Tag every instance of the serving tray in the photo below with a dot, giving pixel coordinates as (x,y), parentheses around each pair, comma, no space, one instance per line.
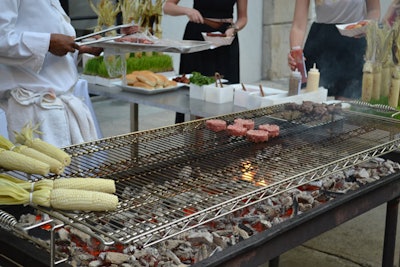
(148,91)
(161,45)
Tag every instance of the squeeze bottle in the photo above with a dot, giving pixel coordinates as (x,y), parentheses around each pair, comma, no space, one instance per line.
(294,83)
(297,54)
(313,79)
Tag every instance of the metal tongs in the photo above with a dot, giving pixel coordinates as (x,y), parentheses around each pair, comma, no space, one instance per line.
(104,39)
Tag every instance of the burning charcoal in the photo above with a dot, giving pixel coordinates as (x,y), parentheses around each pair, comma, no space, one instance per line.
(173,257)
(202,253)
(220,241)
(362,173)
(240,232)
(200,237)
(304,198)
(96,263)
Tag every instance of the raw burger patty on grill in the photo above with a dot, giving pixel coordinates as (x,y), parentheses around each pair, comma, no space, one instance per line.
(257,136)
(249,124)
(272,129)
(216,125)
(236,130)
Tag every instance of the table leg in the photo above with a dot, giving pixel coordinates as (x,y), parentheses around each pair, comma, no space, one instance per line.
(134,115)
(390,232)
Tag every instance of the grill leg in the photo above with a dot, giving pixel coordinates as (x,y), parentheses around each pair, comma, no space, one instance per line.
(390,233)
(274,262)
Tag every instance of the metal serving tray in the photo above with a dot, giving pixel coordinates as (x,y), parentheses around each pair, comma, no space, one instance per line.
(162,45)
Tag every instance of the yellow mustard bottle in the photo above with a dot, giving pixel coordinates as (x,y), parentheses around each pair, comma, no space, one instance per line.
(313,79)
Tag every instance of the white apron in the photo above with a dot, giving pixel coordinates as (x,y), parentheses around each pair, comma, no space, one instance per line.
(64,119)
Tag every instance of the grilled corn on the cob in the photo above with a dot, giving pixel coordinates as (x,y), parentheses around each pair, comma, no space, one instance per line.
(25,137)
(15,161)
(90,184)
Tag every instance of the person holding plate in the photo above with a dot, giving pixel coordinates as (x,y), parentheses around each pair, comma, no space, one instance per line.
(211,16)
(339,58)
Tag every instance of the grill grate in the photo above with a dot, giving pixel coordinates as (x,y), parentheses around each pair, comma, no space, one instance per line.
(172,179)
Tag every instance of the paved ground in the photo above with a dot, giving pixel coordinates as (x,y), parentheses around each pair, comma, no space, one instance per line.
(355,243)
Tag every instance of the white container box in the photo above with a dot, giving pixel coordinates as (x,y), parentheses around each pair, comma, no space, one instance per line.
(218,95)
(197,91)
(251,98)
(318,96)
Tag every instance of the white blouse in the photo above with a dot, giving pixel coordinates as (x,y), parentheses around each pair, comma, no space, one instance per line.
(25,28)
(340,11)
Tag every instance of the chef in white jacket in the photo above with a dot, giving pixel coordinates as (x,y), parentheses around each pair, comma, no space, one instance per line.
(38,72)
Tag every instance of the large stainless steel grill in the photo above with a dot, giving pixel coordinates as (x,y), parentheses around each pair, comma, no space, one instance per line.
(175,178)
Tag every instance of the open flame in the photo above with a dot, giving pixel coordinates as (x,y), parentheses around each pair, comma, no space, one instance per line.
(248,174)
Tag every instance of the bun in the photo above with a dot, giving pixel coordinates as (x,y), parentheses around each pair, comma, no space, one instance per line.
(161,79)
(131,78)
(147,77)
(142,85)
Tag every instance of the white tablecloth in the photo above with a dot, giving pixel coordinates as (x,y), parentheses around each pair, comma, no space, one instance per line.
(81,91)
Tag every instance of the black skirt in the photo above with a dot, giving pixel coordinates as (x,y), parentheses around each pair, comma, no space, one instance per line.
(224,59)
(340,60)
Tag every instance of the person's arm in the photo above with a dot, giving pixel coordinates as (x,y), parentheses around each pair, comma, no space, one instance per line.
(172,8)
(373,10)
(241,18)
(299,28)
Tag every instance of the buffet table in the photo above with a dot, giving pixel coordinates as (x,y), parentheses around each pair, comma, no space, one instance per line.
(177,100)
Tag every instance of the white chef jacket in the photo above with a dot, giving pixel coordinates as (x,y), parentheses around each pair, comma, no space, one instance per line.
(28,67)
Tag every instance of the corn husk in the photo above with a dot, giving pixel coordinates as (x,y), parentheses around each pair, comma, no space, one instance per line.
(106,11)
(376,81)
(367,81)
(383,57)
(28,185)
(393,99)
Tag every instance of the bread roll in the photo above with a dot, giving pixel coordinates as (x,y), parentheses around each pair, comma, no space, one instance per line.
(131,78)
(161,79)
(142,85)
(147,77)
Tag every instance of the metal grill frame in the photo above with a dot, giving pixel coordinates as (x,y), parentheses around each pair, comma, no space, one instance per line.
(164,231)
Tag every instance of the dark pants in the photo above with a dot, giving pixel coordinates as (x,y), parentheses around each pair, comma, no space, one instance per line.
(340,60)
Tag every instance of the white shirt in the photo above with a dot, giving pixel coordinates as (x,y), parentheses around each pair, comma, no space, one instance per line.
(25,28)
(340,11)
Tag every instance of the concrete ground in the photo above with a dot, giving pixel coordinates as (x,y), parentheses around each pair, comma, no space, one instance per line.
(355,243)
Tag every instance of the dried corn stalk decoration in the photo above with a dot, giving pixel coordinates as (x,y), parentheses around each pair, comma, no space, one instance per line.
(387,61)
(368,69)
(393,99)
(106,11)
(383,42)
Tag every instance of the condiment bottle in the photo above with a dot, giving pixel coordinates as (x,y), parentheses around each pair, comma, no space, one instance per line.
(312,79)
(297,54)
(294,83)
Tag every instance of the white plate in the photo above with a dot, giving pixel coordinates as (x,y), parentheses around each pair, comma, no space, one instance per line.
(351,32)
(148,91)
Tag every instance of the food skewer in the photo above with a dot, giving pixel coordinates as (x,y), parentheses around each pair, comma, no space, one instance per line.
(218,80)
(261,90)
